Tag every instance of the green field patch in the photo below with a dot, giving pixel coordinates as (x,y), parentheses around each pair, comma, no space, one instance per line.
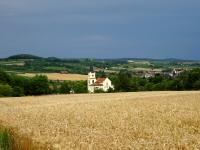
(55,68)
(12,63)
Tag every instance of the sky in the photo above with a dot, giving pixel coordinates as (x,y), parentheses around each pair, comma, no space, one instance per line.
(101,28)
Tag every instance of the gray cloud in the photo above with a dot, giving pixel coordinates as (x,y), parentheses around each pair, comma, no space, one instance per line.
(94,28)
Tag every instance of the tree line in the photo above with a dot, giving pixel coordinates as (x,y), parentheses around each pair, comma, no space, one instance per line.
(14,85)
(124,81)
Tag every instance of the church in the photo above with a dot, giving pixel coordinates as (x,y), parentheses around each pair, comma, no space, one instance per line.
(98,84)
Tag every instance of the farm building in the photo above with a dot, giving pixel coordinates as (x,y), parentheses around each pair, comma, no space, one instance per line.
(99,83)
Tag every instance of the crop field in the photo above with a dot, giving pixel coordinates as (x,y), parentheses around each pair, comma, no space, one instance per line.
(143,120)
(12,63)
(59,76)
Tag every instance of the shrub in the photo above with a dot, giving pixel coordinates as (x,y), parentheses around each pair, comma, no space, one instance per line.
(39,85)
(65,88)
(4,77)
(6,90)
(111,90)
(18,91)
(99,91)
(80,87)
(197,85)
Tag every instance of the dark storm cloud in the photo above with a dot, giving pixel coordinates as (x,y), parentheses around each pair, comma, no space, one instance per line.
(101,28)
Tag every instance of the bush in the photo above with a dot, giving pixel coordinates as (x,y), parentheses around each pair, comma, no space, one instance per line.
(148,87)
(123,81)
(6,90)
(80,87)
(39,85)
(197,85)
(110,90)
(99,91)
(65,88)
(4,77)
(18,91)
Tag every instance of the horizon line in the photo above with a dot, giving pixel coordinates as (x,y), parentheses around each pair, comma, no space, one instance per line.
(107,58)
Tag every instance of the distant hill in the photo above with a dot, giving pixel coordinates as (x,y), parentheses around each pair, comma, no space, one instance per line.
(29,56)
(24,56)
(53,59)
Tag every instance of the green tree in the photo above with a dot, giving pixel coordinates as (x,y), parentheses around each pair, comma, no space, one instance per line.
(196,85)
(123,81)
(189,78)
(100,74)
(158,87)
(4,77)
(54,87)
(5,90)
(80,87)
(18,91)
(157,79)
(21,82)
(148,86)
(65,88)
(39,85)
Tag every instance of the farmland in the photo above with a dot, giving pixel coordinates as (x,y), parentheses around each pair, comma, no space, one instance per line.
(58,76)
(33,64)
(143,120)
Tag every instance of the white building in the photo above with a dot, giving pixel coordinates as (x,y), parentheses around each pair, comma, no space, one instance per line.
(99,83)
(176,72)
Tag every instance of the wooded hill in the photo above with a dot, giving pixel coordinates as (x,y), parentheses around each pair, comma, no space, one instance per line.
(24,56)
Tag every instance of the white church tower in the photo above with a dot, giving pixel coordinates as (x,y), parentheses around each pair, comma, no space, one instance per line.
(91,80)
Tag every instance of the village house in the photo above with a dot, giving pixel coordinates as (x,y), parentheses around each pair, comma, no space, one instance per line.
(99,83)
(177,71)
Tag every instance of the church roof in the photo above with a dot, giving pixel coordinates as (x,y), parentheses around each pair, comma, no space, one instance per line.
(99,82)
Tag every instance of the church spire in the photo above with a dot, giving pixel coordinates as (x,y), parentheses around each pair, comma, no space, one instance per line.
(91,68)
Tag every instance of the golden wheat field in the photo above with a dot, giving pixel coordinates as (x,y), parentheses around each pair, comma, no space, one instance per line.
(59,76)
(143,120)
